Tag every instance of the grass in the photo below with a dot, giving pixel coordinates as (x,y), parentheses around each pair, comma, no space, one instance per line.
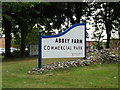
(0,74)
(93,76)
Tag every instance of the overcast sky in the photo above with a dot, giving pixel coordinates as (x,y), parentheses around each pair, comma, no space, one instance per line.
(90,32)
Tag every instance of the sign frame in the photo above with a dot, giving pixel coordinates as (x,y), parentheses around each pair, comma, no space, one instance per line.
(57,35)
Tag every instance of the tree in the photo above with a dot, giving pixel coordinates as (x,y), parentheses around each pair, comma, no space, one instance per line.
(53,17)
(17,14)
(65,14)
(110,19)
(98,37)
(99,27)
(22,17)
(75,11)
(25,20)
(108,15)
(7,25)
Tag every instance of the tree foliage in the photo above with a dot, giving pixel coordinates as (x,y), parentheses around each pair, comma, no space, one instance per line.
(17,14)
(106,14)
(25,19)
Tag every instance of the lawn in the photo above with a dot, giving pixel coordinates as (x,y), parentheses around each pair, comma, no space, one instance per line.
(14,75)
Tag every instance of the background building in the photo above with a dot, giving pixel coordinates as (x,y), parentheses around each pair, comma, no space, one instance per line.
(2,42)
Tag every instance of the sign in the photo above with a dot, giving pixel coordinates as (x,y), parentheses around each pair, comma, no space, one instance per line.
(69,44)
(33,50)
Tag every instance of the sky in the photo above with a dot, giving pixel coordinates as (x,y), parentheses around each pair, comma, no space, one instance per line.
(90,32)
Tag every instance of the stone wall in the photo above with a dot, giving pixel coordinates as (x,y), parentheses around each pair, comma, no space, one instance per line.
(100,57)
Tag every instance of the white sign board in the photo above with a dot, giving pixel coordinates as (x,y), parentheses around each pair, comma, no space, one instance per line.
(68,44)
(33,50)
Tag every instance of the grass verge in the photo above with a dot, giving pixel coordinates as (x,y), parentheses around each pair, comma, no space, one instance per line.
(93,76)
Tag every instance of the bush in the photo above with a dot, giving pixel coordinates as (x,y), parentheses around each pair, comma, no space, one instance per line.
(17,53)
